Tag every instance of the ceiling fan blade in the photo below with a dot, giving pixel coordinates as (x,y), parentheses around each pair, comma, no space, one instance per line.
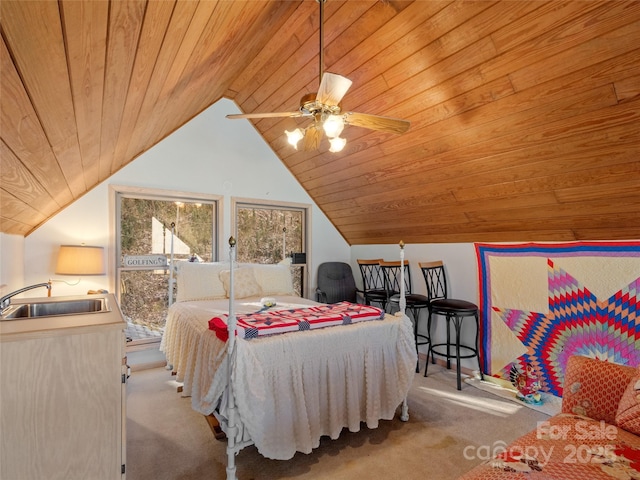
(376,122)
(332,88)
(311,140)
(264,115)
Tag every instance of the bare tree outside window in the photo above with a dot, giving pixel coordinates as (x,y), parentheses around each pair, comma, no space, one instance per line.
(156,226)
(268,234)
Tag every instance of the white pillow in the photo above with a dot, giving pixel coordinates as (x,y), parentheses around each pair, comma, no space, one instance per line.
(274,279)
(199,281)
(244,283)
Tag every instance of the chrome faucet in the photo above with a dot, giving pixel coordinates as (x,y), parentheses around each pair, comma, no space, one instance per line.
(6,300)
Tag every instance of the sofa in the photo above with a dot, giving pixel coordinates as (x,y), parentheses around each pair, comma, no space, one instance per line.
(595,436)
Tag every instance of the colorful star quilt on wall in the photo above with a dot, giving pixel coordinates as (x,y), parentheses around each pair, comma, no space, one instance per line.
(541,303)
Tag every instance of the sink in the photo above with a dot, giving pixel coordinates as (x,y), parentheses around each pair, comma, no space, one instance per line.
(55,308)
(30,317)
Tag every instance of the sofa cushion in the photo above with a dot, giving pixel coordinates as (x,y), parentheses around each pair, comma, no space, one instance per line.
(628,415)
(593,388)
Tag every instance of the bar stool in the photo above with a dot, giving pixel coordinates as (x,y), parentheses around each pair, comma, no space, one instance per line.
(414,302)
(455,312)
(372,282)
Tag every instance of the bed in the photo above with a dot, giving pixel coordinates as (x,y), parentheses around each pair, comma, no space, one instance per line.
(281,392)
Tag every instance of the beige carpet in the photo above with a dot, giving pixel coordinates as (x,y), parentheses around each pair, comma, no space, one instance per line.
(448,432)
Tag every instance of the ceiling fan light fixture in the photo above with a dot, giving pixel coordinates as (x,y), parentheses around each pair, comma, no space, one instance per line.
(333,126)
(323,107)
(294,137)
(337,144)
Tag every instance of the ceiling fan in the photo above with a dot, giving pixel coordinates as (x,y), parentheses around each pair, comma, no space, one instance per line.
(325,110)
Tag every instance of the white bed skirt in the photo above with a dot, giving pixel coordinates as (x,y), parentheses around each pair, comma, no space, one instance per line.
(291,389)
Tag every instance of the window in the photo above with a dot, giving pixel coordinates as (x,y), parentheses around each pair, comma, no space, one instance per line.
(267,233)
(150,225)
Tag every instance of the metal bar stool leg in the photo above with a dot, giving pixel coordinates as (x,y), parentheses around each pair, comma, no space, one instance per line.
(414,313)
(429,351)
(458,324)
(448,342)
(433,358)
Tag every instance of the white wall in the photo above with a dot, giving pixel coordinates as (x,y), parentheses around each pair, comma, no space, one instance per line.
(11,263)
(210,154)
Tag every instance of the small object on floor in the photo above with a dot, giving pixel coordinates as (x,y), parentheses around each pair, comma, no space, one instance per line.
(527,384)
(215,427)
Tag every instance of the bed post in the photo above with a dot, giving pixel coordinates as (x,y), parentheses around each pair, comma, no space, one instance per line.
(171,265)
(403,300)
(404,414)
(231,343)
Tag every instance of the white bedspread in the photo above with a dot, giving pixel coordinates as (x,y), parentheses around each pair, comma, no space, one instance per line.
(293,388)
(186,322)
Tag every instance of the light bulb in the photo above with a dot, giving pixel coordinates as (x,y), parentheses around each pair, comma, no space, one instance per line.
(337,144)
(294,137)
(333,126)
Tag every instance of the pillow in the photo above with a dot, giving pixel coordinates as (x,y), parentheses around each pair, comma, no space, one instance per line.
(244,283)
(593,388)
(199,281)
(274,279)
(628,415)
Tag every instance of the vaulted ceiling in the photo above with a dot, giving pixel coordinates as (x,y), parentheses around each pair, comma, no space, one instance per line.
(525,115)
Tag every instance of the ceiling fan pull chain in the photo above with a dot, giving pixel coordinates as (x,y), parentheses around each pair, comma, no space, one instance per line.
(321,34)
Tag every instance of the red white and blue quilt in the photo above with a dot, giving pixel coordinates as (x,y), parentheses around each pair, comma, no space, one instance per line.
(271,322)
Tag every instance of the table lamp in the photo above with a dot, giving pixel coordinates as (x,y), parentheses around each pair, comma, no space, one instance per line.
(80,260)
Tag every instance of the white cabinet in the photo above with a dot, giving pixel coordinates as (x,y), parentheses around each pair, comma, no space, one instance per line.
(62,397)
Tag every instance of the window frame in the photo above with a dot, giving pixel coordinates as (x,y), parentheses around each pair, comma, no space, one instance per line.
(116,192)
(305,208)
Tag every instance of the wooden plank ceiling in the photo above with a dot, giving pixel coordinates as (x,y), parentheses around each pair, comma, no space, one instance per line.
(524,115)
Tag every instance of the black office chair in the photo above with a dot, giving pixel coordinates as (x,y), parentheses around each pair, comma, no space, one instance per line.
(415,302)
(454,310)
(372,282)
(336,283)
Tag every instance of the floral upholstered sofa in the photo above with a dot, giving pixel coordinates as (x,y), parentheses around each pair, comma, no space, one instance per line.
(595,437)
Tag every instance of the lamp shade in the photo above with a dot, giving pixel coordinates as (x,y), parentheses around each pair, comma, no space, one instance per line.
(80,260)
